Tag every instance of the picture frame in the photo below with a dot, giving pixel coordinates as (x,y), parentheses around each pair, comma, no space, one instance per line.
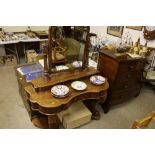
(116,31)
(139,28)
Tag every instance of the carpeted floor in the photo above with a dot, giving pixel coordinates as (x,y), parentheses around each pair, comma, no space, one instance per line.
(13,114)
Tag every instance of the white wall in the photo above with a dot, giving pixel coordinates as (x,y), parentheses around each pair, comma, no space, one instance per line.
(101,31)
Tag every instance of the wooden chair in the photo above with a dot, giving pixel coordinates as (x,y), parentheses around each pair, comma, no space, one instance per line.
(145,122)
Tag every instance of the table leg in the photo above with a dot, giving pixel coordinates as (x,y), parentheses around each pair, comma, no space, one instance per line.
(91,104)
(105,106)
(25,52)
(18,60)
(53,121)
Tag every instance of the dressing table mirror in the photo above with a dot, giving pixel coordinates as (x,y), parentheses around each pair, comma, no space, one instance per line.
(39,93)
(67,48)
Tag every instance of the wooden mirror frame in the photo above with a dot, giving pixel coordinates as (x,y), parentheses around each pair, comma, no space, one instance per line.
(51,40)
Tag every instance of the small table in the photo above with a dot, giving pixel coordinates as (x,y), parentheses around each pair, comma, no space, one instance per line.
(14,43)
(39,100)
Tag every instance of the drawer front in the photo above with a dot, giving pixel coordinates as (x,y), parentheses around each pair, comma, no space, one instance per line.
(130,68)
(119,96)
(126,84)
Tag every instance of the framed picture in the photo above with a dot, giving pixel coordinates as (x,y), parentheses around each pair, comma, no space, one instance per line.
(139,28)
(115,30)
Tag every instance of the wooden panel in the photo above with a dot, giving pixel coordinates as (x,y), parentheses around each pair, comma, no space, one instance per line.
(110,67)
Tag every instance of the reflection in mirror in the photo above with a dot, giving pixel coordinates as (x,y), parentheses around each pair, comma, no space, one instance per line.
(68,46)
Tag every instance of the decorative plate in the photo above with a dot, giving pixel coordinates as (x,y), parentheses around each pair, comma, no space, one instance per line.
(61,67)
(60,91)
(77,64)
(97,79)
(78,85)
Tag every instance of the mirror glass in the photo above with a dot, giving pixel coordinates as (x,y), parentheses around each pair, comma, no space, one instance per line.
(68,48)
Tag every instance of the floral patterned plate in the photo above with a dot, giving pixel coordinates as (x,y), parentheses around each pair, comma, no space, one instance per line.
(77,64)
(60,91)
(97,79)
(78,85)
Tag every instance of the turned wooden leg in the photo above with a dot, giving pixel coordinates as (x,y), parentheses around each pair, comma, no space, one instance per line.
(105,107)
(95,113)
(92,107)
(105,103)
(53,121)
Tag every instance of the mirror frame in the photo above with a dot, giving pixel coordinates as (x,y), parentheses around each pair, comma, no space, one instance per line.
(51,43)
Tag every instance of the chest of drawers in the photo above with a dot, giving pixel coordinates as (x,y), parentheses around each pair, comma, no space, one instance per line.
(124,76)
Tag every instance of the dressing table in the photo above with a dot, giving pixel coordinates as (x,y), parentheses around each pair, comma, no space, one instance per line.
(41,104)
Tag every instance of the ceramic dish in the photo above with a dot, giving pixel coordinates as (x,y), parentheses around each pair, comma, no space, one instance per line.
(77,64)
(61,67)
(78,85)
(97,79)
(60,91)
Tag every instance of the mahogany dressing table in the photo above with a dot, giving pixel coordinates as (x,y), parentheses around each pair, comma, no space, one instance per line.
(37,94)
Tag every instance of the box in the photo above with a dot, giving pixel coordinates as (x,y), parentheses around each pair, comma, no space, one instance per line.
(31,56)
(76,115)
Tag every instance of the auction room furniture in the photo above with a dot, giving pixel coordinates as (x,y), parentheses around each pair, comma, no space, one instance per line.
(12,50)
(145,123)
(41,104)
(124,76)
(15,46)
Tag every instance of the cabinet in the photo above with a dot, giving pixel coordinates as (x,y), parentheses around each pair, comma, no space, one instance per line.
(124,76)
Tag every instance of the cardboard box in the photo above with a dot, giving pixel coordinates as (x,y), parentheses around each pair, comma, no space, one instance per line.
(76,115)
(31,56)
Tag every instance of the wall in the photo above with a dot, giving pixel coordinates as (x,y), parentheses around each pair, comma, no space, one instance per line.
(101,31)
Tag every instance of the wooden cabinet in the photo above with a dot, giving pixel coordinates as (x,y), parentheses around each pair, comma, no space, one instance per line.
(124,76)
